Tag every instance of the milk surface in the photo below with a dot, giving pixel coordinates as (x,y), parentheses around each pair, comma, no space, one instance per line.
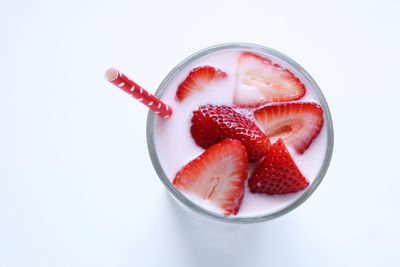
(175,146)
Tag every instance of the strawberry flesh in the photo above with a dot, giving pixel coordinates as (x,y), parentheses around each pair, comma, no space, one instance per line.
(213,124)
(197,80)
(217,175)
(260,81)
(277,173)
(296,123)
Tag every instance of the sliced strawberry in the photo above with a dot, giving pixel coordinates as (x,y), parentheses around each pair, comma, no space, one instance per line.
(197,80)
(218,175)
(297,123)
(260,81)
(213,124)
(277,173)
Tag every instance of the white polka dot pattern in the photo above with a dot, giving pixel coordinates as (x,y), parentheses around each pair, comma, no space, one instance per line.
(132,88)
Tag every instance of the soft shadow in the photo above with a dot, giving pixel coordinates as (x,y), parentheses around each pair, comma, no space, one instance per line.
(213,243)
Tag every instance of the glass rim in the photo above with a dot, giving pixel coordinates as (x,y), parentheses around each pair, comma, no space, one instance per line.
(232,219)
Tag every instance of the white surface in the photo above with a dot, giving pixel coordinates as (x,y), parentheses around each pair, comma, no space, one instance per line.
(76,184)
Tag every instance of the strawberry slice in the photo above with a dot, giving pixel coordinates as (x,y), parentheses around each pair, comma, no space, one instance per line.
(277,173)
(260,81)
(213,124)
(197,80)
(297,123)
(217,175)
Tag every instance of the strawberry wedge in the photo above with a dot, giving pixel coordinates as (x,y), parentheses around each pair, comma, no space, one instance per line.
(296,123)
(217,175)
(197,80)
(212,124)
(277,173)
(260,81)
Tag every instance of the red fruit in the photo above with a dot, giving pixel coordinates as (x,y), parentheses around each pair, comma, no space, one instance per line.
(277,173)
(296,123)
(260,81)
(197,80)
(218,175)
(213,124)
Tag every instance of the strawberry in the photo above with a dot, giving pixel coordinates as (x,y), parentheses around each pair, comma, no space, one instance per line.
(217,175)
(260,81)
(197,79)
(277,173)
(296,123)
(213,124)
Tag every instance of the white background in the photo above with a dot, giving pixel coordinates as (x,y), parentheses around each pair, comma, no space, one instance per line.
(76,184)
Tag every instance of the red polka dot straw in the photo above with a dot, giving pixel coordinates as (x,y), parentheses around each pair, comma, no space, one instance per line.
(117,78)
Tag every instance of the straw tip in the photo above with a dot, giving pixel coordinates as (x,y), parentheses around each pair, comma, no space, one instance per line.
(111,74)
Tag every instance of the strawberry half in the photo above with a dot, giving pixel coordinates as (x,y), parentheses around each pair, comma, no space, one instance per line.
(260,81)
(218,175)
(297,123)
(213,124)
(197,80)
(277,173)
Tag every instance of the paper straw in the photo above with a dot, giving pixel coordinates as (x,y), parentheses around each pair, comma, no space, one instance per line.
(117,78)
